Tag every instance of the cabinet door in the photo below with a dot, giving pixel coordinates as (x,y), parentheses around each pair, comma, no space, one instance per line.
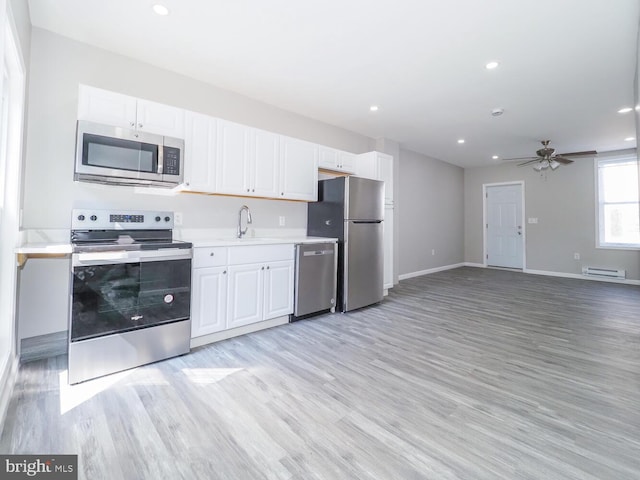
(278,289)
(232,158)
(109,108)
(388,247)
(367,165)
(160,119)
(245,295)
(208,300)
(347,162)
(385,173)
(327,158)
(299,170)
(265,164)
(200,153)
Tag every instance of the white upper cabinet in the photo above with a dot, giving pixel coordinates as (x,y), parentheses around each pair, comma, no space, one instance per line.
(336,160)
(200,153)
(232,158)
(102,106)
(264,169)
(299,169)
(377,166)
(110,108)
(160,119)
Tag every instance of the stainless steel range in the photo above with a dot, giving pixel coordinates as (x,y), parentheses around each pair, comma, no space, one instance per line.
(130,292)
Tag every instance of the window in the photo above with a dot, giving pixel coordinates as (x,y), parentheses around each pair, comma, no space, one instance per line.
(618,202)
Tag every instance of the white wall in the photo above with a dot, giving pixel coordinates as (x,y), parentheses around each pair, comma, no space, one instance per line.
(431,214)
(58,65)
(564,203)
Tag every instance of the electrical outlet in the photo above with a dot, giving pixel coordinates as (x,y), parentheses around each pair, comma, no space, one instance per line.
(177,218)
(281,220)
(576,256)
(433,251)
(533,220)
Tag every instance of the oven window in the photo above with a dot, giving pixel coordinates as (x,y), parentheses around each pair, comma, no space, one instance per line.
(107,152)
(116,298)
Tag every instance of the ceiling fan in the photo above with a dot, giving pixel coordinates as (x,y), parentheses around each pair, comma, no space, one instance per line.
(547,157)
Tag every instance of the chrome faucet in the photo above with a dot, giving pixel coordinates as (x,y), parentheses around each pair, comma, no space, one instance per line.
(241,232)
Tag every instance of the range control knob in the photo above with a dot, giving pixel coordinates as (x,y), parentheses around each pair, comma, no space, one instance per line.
(158,219)
(166,219)
(81,218)
(93,218)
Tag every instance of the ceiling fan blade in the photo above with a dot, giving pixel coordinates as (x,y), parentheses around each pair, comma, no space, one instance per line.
(562,160)
(578,154)
(518,158)
(530,161)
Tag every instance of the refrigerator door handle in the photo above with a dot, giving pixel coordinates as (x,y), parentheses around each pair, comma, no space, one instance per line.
(367,221)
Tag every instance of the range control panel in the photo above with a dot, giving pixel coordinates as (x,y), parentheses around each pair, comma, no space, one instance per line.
(120,220)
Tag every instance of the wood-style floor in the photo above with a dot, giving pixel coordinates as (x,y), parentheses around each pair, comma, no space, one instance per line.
(465,374)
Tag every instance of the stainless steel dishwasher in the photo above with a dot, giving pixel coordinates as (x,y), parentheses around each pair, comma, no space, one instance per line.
(315,279)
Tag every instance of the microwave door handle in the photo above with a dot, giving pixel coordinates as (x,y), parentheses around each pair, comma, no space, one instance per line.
(160,159)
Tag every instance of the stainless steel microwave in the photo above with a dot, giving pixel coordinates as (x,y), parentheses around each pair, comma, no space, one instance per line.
(119,156)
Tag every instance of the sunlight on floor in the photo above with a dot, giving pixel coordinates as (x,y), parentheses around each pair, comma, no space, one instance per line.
(208,375)
(72,396)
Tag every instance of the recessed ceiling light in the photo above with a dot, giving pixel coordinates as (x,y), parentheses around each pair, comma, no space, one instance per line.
(161,10)
(491,65)
(373,108)
(625,110)
(629,139)
(461,140)
(495,157)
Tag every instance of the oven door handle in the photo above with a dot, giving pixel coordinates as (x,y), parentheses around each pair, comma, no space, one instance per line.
(135,256)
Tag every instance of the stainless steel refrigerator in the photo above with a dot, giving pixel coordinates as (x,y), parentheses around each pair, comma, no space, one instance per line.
(351,209)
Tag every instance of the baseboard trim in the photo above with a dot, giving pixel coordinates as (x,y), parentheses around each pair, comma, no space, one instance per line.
(406,276)
(7,382)
(579,276)
(44,346)
(235,332)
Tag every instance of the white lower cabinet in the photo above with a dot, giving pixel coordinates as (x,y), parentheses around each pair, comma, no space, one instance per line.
(278,289)
(209,300)
(246,284)
(237,286)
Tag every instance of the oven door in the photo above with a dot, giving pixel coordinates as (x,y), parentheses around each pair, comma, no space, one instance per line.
(115,292)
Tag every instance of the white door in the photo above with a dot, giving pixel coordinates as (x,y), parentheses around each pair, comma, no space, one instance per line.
(232,158)
(245,294)
(299,170)
(209,300)
(504,226)
(278,289)
(388,246)
(265,164)
(200,153)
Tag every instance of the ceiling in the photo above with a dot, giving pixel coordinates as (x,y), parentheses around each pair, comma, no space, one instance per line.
(565,66)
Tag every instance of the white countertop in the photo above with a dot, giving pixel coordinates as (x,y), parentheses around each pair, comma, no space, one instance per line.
(234,242)
(56,249)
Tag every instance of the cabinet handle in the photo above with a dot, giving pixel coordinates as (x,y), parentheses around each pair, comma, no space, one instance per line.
(136,135)
(253,189)
(133,124)
(282,193)
(211,254)
(267,267)
(262,268)
(247,189)
(140,125)
(224,272)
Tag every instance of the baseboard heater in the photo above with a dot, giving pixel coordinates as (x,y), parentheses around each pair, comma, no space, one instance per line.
(604,272)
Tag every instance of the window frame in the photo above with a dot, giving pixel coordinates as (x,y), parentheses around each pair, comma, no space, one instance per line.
(600,243)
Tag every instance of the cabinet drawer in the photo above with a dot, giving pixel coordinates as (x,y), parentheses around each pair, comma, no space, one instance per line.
(260,253)
(209,257)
